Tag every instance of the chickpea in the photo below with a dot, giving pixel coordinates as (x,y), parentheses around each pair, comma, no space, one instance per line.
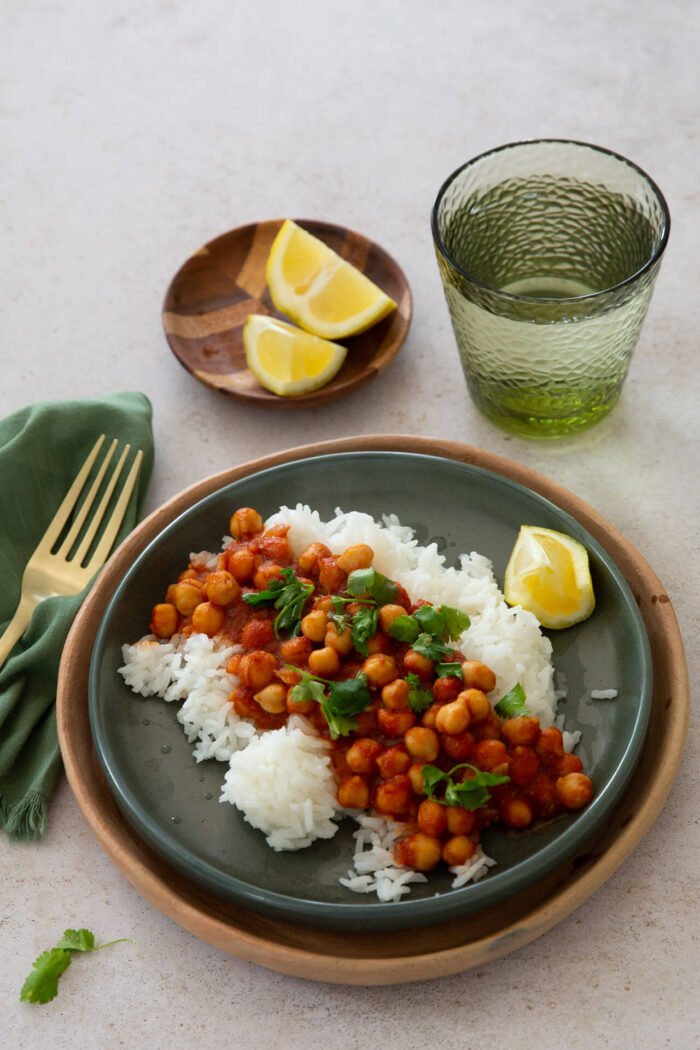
(299,707)
(275,545)
(395,695)
(245,523)
(380,643)
(353,793)
(324,662)
(208,619)
(430,716)
(170,594)
(341,641)
(310,560)
(257,669)
(415,775)
(330,576)
(516,812)
(322,604)
(453,718)
(416,663)
(164,620)
(574,790)
(313,625)
(446,689)
(478,704)
(266,572)
(393,796)
(380,669)
(422,743)
(489,729)
(542,793)
(257,633)
(362,755)
(389,613)
(187,574)
(492,756)
(459,747)
(233,664)
(295,650)
(521,730)
(569,764)
(460,821)
(394,723)
(458,850)
(359,556)
(241,565)
(273,698)
(523,765)
(550,745)
(418,851)
(188,596)
(432,819)
(478,676)
(221,588)
(393,761)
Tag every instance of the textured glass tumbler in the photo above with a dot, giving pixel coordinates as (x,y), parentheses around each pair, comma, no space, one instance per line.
(548,252)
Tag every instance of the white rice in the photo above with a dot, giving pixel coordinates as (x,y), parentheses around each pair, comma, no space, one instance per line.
(604,694)
(282,780)
(283,784)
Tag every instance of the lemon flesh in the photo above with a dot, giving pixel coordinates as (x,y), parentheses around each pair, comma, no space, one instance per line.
(320,291)
(549,575)
(286,360)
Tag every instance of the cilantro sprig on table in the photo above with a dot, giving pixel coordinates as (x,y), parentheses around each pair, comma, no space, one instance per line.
(339,701)
(470,793)
(289,595)
(41,986)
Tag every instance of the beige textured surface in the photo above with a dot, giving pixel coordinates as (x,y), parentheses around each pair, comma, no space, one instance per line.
(133,133)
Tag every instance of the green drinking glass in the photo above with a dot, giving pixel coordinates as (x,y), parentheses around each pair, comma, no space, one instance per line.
(548,252)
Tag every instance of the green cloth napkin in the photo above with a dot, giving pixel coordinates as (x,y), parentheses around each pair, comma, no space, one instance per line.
(41,450)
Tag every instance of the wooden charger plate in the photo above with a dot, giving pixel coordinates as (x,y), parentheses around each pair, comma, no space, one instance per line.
(409,955)
(213,293)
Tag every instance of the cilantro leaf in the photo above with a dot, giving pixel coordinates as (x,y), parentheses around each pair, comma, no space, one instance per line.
(471,793)
(419,698)
(369,581)
(404,628)
(513,703)
(449,670)
(77,941)
(456,622)
(431,620)
(289,595)
(41,986)
(364,626)
(340,702)
(308,689)
(431,647)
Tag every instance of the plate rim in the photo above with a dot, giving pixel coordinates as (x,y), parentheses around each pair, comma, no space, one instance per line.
(411,910)
(274,944)
(332,390)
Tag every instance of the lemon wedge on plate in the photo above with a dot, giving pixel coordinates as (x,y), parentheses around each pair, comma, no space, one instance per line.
(286,360)
(548,574)
(320,291)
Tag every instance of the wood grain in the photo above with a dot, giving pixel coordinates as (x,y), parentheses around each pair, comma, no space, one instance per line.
(213,293)
(410,955)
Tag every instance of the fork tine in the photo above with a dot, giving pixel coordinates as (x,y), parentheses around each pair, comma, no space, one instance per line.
(99,514)
(113,525)
(69,500)
(77,525)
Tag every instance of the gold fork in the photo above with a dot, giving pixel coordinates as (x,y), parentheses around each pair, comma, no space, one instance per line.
(48,574)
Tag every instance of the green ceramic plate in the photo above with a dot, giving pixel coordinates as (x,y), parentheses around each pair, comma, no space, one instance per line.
(173,803)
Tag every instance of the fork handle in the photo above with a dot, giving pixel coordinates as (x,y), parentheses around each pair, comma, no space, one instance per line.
(16,627)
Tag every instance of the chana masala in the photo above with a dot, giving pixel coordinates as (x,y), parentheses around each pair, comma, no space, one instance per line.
(413,734)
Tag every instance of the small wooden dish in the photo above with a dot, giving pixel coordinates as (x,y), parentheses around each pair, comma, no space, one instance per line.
(376,957)
(213,293)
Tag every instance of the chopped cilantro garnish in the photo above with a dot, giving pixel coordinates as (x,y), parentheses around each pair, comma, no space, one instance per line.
(364,626)
(420,698)
(513,703)
(470,793)
(404,628)
(456,622)
(289,595)
(369,581)
(340,702)
(449,670)
(431,647)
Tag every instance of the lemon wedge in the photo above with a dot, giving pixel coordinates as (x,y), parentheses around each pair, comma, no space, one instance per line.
(548,574)
(286,360)
(320,291)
